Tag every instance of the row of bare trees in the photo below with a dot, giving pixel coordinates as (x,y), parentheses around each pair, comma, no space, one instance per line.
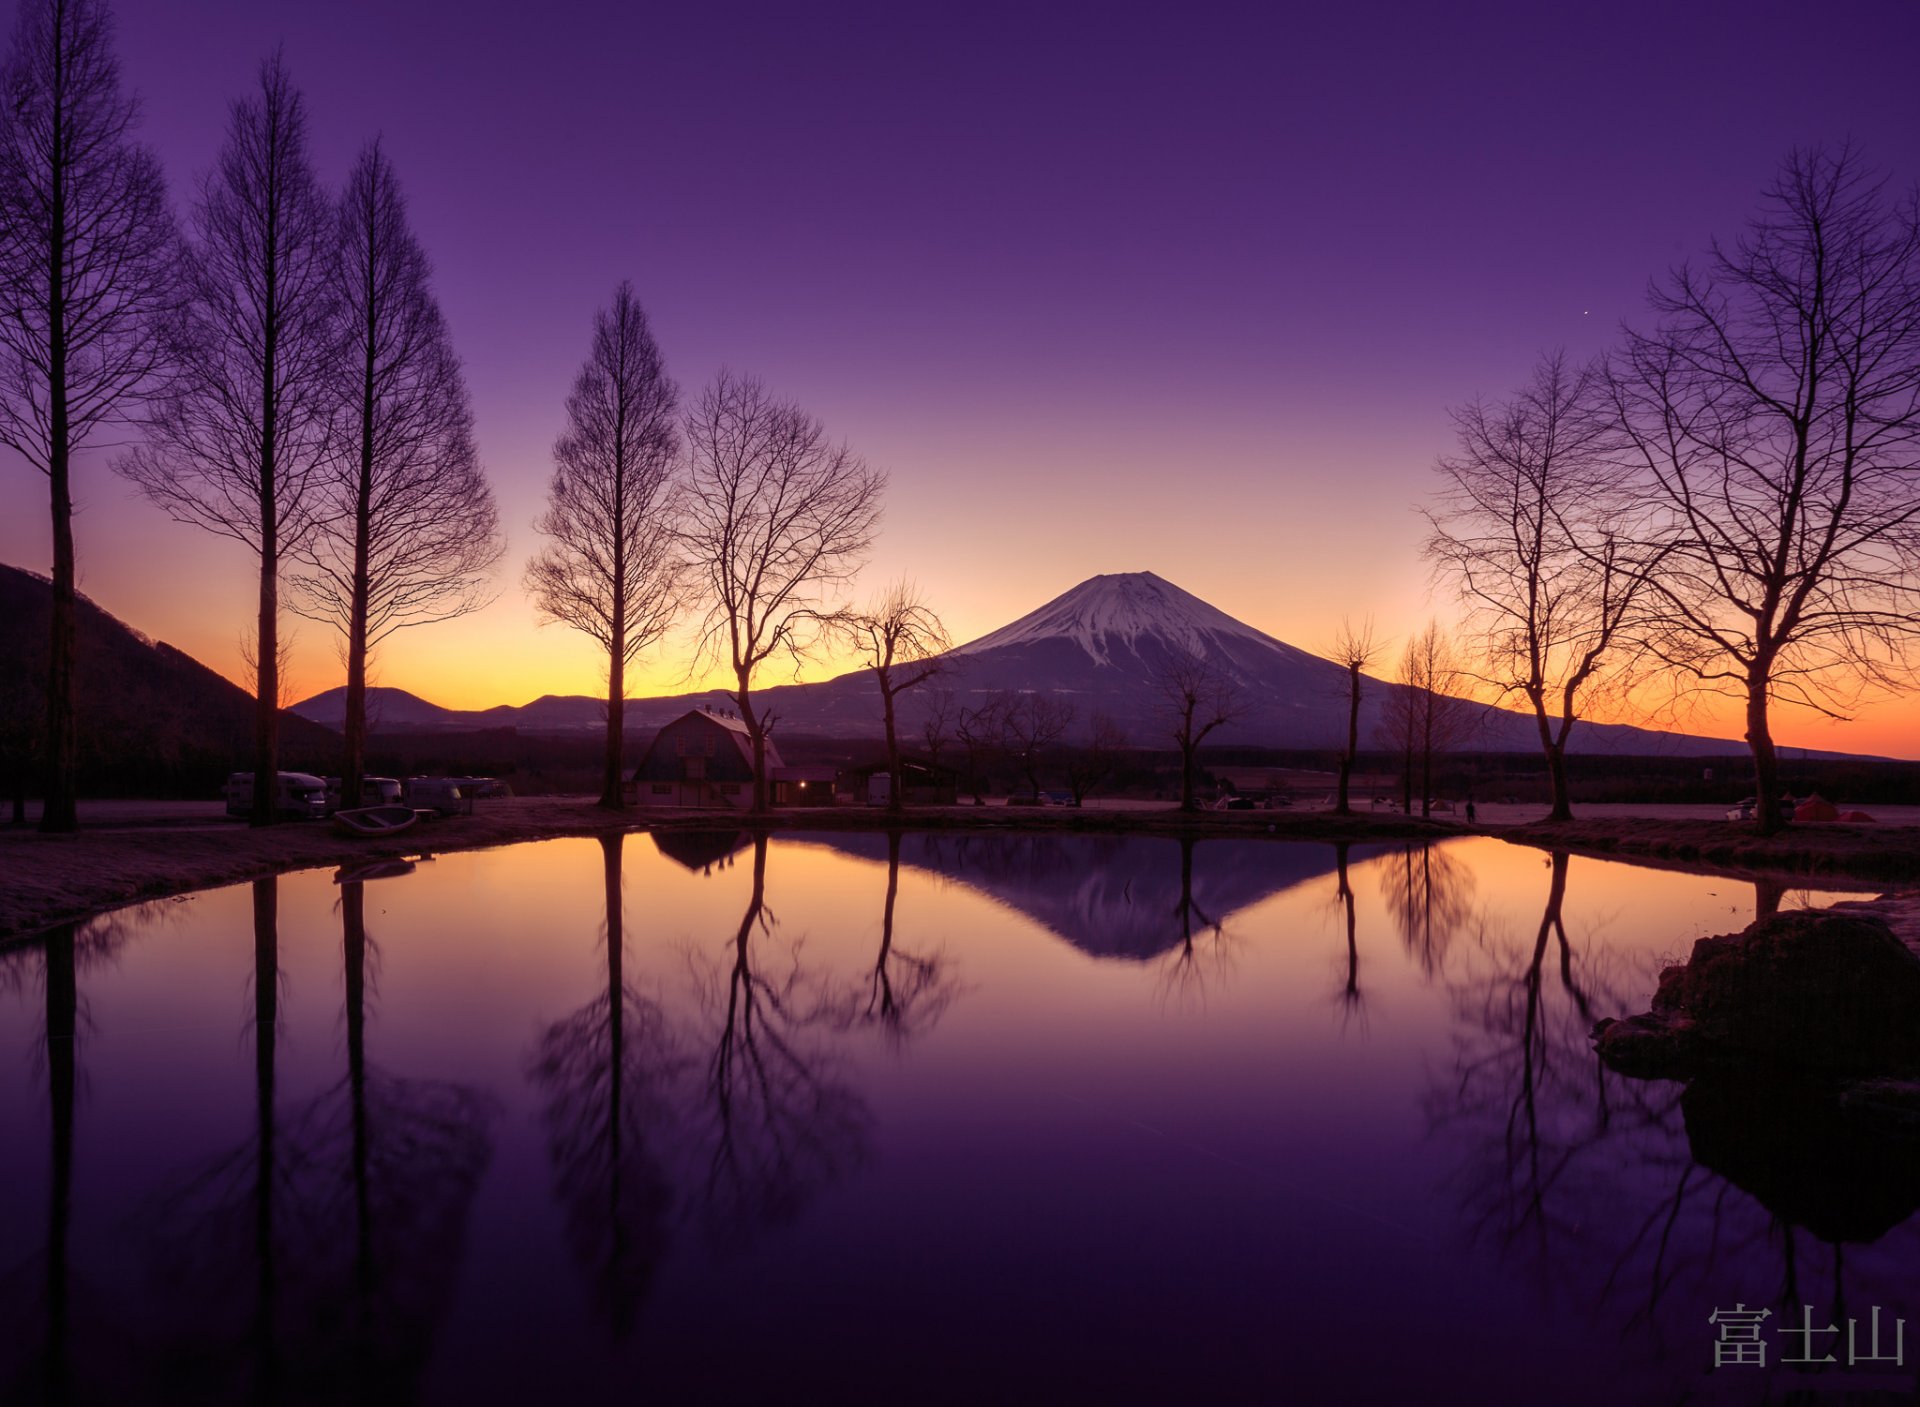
(1729,502)
(738,509)
(284,360)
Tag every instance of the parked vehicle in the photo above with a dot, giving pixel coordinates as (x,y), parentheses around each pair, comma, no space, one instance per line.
(444,796)
(297,796)
(374,791)
(375,820)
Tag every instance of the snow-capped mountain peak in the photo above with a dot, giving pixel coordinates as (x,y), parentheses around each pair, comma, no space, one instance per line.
(1114,612)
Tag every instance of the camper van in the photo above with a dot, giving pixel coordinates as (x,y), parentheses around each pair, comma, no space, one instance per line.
(443,795)
(374,791)
(298,796)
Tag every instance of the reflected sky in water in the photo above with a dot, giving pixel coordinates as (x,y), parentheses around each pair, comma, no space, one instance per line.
(926,1118)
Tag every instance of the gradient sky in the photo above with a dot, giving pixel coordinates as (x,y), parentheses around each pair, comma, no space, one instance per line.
(1105,288)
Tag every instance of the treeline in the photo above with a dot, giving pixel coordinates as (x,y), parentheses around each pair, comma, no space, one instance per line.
(1727,502)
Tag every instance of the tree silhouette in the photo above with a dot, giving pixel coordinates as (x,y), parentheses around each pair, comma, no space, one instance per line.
(87,267)
(1771,419)
(612,569)
(1527,532)
(405,529)
(902,641)
(237,441)
(1196,695)
(779,520)
(1353,650)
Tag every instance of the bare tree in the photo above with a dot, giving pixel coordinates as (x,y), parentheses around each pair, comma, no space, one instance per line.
(1196,696)
(1773,417)
(779,519)
(902,641)
(1091,765)
(87,266)
(408,532)
(1525,532)
(1033,725)
(1424,716)
(981,732)
(613,570)
(1353,650)
(235,442)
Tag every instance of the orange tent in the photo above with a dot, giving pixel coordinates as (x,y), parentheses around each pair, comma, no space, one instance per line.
(1816,808)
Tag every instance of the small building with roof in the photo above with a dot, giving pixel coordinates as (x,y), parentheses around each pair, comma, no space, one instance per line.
(703,758)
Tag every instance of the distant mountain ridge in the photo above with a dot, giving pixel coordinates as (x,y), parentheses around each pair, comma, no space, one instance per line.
(1099,645)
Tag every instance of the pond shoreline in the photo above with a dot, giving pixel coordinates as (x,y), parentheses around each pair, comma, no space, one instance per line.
(46,880)
(50,880)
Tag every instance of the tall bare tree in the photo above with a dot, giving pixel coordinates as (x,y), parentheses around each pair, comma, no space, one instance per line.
(87,267)
(779,520)
(1196,696)
(981,731)
(1353,650)
(902,641)
(1773,419)
(939,713)
(235,443)
(613,570)
(1525,531)
(407,532)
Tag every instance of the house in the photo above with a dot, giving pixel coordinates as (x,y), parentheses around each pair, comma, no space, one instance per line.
(702,758)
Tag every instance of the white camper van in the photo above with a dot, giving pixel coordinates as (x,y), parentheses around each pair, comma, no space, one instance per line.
(298,796)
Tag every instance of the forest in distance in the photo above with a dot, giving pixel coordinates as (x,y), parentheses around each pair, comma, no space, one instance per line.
(1727,502)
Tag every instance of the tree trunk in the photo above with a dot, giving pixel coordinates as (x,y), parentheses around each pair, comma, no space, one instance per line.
(1766,765)
(1187,800)
(612,794)
(1343,806)
(60,812)
(754,731)
(353,769)
(894,801)
(266,714)
(1557,778)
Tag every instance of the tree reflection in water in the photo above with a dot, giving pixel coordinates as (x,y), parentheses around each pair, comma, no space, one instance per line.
(1638,1197)
(722,1111)
(613,1077)
(1184,970)
(1430,893)
(1352,1001)
(38,1363)
(325,1245)
(907,994)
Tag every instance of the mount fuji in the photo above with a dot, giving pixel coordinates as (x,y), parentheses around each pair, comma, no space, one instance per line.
(1098,645)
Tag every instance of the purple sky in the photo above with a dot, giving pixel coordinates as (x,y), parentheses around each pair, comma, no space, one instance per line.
(1180,289)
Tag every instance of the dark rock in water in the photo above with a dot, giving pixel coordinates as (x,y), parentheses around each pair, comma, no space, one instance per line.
(1797,1147)
(1650,1047)
(1827,993)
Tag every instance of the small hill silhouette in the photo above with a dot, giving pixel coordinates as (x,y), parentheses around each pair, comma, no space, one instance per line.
(153,720)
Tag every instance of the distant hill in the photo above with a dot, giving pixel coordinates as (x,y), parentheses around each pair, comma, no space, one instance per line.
(1098,645)
(151,718)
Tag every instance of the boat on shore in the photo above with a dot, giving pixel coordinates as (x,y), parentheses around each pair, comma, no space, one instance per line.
(375,820)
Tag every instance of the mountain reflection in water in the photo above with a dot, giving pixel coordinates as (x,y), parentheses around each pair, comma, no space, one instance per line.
(712,1116)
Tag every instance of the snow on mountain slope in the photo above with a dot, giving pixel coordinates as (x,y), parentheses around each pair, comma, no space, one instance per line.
(1106,613)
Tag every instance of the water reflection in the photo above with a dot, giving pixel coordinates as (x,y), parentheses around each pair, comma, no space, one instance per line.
(314,1257)
(1131,897)
(707,1085)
